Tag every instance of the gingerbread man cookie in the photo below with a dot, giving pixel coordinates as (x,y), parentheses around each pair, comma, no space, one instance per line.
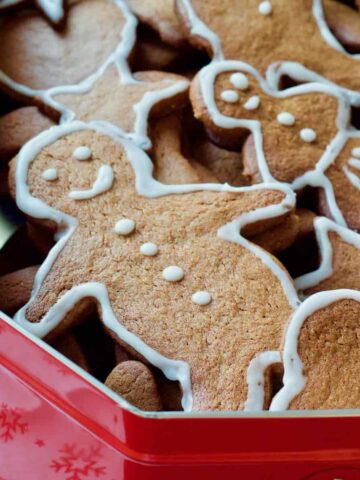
(321,354)
(85,73)
(153,265)
(308,45)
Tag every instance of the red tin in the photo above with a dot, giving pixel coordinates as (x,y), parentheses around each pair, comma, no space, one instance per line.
(59,423)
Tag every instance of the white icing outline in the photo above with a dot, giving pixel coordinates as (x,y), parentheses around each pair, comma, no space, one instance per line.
(294,380)
(102,184)
(256,379)
(52,9)
(118,58)
(316,177)
(277,69)
(147,186)
(323,226)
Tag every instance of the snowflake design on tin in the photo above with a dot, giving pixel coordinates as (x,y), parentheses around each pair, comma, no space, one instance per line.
(11,423)
(78,463)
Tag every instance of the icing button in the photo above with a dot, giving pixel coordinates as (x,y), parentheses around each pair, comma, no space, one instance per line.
(286,118)
(265,8)
(253,103)
(229,96)
(124,226)
(355,152)
(82,153)
(239,80)
(308,135)
(149,249)
(201,298)
(50,174)
(173,274)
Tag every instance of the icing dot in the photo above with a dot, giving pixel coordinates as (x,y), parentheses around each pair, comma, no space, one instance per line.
(124,226)
(239,80)
(355,152)
(308,135)
(253,103)
(149,249)
(265,8)
(82,153)
(50,174)
(229,96)
(201,298)
(286,118)
(173,274)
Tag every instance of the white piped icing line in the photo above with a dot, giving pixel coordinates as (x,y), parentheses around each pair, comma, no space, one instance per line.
(322,227)
(229,96)
(82,153)
(352,177)
(294,379)
(252,103)
(355,163)
(240,81)
(256,381)
(125,226)
(50,174)
(286,118)
(308,135)
(146,186)
(265,8)
(149,249)
(102,184)
(118,58)
(201,298)
(173,273)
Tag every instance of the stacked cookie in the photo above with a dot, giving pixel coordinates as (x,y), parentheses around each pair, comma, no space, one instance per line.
(189,196)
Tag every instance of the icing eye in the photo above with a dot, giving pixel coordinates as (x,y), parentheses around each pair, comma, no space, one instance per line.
(201,298)
(253,103)
(308,135)
(82,153)
(50,174)
(240,81)
(265,8)
(229,96)
(124,226)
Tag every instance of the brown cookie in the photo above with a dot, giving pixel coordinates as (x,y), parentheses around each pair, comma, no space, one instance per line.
(70,348)
(160,16)
(17,127)
(15,289)
(215,26)
(53,10)
(280,237)
(339,250)
(344,22)
(135,383)
(196,266)
(321,354)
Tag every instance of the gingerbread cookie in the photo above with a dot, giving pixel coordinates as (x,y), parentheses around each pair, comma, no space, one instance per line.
(283,125)
(344,22)
(340,256)
(308,47)
(154,257)
(52,9)
(19,126)
(321,354)
(15,289)
(160,16)
(68,82)
(136,384)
